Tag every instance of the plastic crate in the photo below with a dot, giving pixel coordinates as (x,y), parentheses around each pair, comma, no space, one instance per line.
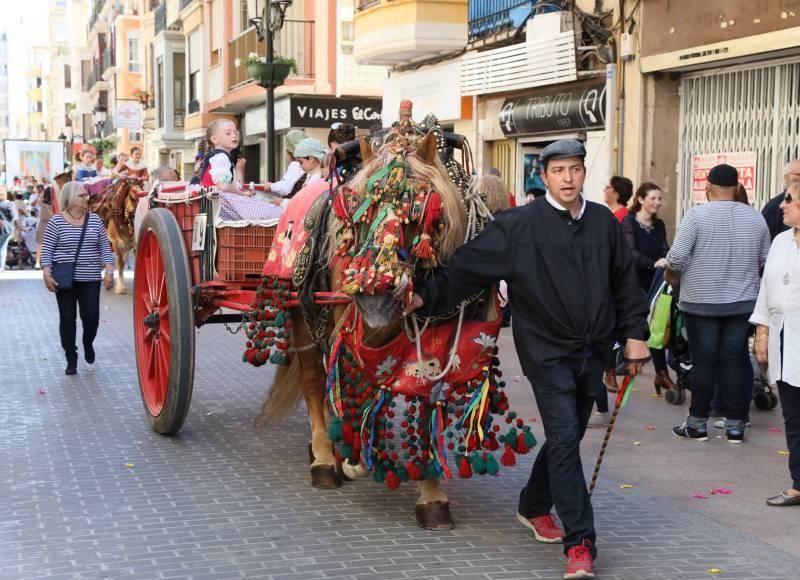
(184,214)
(241,252)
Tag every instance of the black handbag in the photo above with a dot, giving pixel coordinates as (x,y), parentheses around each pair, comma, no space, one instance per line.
(64,272)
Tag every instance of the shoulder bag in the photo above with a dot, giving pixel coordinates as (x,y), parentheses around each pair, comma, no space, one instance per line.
(64,272)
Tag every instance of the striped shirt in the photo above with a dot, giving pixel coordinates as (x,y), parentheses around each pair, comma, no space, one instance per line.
(61,241)
(719,251)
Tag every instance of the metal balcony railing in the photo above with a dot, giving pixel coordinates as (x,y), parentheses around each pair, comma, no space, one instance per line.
(364,4)
(296,40)
(489,17)
(160,15)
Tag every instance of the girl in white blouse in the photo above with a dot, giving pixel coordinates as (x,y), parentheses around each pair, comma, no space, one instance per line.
(777,316)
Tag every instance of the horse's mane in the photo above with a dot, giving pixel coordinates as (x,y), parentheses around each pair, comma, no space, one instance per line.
(455,215)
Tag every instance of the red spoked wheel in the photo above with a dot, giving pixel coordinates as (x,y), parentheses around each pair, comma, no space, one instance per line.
(163,320)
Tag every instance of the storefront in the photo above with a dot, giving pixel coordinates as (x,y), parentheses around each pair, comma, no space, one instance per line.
(525,123)
(314,115)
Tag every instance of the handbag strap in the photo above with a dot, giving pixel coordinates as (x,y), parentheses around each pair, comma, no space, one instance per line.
(80,242)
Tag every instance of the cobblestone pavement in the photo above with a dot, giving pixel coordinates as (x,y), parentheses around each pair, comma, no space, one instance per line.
(223,500)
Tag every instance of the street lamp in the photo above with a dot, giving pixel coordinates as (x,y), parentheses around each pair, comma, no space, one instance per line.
(63,138)
(99,115)
(267,24)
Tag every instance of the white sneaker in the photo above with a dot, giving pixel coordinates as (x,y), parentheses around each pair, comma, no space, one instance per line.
(599,420)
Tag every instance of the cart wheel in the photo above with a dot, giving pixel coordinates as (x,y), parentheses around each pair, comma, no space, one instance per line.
(671,395)
(773,400)
(762,401)
(163,320)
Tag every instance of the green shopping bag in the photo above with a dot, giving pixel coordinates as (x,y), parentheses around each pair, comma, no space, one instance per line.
(660,318)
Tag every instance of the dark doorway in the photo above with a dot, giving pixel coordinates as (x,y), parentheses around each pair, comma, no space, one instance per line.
(252,155)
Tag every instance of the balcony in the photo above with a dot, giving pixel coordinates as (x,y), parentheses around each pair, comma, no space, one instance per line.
(160,15)
(109,59)
(296,41)
(399,32)
(498,20)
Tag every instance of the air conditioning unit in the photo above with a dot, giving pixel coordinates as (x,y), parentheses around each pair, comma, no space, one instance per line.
(548,25)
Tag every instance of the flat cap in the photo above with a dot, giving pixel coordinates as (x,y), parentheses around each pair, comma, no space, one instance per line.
(723,175)
(562,149)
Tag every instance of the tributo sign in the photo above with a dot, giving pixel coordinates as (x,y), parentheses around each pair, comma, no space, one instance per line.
(313,112)
(564,109)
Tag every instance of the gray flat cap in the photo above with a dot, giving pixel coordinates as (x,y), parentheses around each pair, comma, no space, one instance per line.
(562,149)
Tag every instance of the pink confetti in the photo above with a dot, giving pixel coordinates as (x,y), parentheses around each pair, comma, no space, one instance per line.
(42,391)
(650,427)
(775,430)
(721,491)
(533,420)
(699,496)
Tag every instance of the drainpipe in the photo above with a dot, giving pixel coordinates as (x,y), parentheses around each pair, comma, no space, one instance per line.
(611,115)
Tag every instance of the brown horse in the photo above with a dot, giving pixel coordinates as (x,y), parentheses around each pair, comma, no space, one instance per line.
(379,289)
(116,206)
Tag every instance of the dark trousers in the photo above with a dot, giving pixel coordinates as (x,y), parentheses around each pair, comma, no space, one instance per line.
(83,295)
(565,394)
(790,405)
(659,358)
(718,346)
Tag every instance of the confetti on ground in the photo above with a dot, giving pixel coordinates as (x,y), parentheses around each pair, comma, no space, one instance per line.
(714,571)
(637,442)
(721,491)
(626,486)
(699,496)
(650,427)
(42,391)
(130,465)
(533,419)
(775,430)
(783,452)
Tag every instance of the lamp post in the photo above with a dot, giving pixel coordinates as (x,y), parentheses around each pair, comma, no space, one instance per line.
(63,138)
(99,115)
(266,25)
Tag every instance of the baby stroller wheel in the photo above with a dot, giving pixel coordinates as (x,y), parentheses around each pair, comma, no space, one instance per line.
(762,401)
(676,396)
(763,397)
(773,400)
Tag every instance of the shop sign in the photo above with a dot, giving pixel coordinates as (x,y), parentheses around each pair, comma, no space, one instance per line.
(745,164)
(572,108)
(322,113)
(128,115)
(434,90)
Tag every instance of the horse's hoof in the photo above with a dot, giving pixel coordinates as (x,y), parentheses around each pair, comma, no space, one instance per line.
(434,515)
(311,457)
(122,290)
(325,477)
(349,472)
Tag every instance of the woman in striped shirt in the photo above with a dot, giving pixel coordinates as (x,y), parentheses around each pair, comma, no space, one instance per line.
(61,238)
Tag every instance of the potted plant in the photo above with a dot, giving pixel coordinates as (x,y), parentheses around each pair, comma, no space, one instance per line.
(268,75)
(102,144)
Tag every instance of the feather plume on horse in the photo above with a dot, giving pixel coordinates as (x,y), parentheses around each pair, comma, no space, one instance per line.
(387,401)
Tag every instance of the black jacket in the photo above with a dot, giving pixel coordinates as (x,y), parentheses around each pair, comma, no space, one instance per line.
(572,283)
(773,215)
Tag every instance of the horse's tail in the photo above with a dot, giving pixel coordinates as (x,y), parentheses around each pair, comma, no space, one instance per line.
(284,394)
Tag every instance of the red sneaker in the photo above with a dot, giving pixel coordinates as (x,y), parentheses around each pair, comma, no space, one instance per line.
(580,562)
(544,528)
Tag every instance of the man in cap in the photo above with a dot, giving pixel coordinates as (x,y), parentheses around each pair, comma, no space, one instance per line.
(571,285)
(716,257)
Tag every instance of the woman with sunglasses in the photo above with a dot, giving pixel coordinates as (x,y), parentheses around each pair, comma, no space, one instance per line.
(77,235)
(777,320)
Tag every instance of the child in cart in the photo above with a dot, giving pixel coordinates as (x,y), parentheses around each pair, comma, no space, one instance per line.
(223,172)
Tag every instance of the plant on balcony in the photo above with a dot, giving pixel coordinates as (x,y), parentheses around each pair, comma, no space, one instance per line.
(268,75)
(103,144)
(141,95)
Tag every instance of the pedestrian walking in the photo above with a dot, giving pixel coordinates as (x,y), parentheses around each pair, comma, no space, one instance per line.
(572,286)
(45,205)
(78,237)
(8,225)
(717,255)
(772,211)
(647,237)
(777,320)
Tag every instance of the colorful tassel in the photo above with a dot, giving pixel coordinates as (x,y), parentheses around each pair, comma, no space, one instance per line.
(464,469)
(508,458)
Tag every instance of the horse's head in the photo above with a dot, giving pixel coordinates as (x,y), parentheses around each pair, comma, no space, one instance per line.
(400,214)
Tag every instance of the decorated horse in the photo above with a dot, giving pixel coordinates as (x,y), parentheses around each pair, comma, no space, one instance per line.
(115,202)
(384,396)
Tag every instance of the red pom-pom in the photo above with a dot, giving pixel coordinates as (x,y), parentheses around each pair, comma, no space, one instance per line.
(414,472)
(508,458)
(521,446)
(392,481)
(347,433)
(464,469)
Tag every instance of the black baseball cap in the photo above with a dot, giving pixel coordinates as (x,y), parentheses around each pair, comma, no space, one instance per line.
(723,175)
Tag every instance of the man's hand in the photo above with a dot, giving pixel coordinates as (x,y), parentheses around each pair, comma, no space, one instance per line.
(415,304)
(761,344)
(662,263)
(672,277)
(636,354)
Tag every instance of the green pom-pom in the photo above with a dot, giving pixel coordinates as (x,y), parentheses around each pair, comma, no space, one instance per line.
(430,471)
(478,464)
(511,437)
(335,429)
(347,451)
(530,440)
(512,415)
(280,319)
(492,467)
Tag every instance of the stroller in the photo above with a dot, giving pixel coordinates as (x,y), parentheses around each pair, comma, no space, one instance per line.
(680,361)
(18,254)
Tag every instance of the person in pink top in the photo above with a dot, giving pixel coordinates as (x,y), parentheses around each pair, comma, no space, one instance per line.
(617,194)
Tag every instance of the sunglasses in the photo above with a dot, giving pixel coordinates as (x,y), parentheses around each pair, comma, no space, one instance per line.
(789,199)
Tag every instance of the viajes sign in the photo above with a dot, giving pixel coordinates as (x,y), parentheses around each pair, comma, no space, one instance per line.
(316,112)
(574,107)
